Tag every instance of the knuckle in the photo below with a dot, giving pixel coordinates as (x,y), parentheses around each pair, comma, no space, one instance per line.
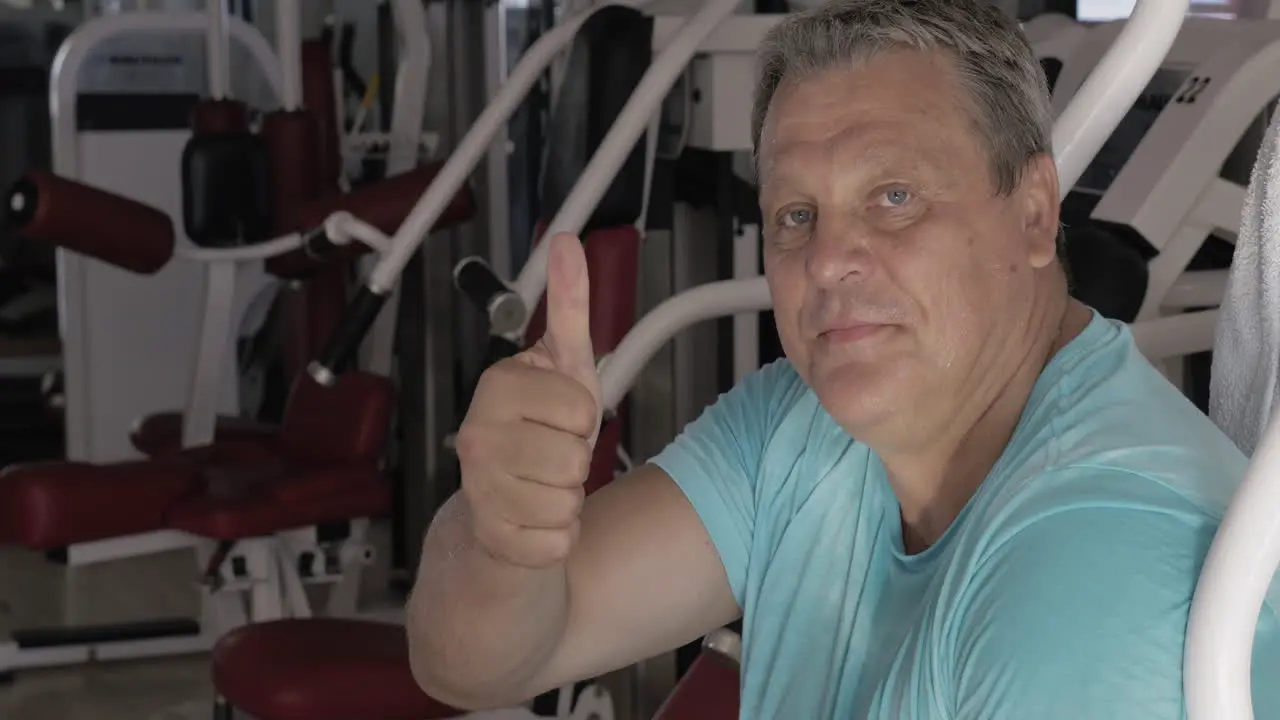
(564,506)
(475,488)
(557,545)
(470,442)
(577,497)
(489,533)
(497,379)
(580,460)
(584,408)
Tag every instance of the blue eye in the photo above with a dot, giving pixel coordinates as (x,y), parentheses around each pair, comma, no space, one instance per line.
(797,217)
(897,197)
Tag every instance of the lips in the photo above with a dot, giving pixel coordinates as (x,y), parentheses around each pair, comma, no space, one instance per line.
(851,333)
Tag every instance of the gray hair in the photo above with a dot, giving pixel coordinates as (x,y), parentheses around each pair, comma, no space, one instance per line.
(993,61)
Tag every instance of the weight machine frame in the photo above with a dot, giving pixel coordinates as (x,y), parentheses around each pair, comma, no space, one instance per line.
(268,570)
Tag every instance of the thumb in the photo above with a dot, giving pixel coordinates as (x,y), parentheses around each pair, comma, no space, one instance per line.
(568,336)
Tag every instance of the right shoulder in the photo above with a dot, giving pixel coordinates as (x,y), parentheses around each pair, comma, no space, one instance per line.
(757,408)
(719,459)
(775,389)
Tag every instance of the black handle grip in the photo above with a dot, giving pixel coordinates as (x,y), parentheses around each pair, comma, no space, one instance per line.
(21,203)
(317,245)
(499,349)
(345,343)
(478,282)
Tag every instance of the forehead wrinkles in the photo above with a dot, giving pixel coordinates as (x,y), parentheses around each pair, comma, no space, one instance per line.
(865,140)
(845,160)
(894,86)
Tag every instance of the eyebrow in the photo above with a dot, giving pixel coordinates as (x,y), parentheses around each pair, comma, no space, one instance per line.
(785,173)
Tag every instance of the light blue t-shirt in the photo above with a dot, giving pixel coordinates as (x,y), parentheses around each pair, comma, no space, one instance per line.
(1061,592)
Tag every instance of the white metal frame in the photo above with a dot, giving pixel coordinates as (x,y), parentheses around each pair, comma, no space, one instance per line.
(1054,35)
(73,270)
(1176,199)
(404,148)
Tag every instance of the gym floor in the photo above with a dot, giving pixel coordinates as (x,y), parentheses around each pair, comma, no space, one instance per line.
(175,689)
(161,689)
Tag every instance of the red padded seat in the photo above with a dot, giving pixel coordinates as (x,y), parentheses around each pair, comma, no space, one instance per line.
(708,691)
(53,504)
(329,449)
(234,439)
(282,501)
(321,669)
(324,469)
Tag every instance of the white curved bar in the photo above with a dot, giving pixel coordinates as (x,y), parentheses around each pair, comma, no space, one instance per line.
(289,48)
(618,371)
(1114,85)
(1233,585)
(630,124)
(342,227)
(470,150)
(217,333)
(410,93)
(75,50)
(1175,336)
(1197,289)
(261,251)
(216,51)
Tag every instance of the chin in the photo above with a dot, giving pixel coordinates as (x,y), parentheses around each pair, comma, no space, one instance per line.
(859,395)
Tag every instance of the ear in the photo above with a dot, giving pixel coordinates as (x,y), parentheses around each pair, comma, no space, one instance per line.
(1039,197)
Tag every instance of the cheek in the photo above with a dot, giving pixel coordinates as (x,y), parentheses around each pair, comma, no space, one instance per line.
(787,285)
(955,294)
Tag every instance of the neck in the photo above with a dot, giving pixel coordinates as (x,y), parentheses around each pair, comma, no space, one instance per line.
(933,484)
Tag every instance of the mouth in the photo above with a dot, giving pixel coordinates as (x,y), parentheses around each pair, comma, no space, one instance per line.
(853,333)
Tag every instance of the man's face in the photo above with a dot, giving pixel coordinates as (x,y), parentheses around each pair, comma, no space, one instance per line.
(898,273)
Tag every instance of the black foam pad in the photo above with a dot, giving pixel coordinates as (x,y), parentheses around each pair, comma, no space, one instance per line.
(1107,272)
(609,57)
(226,189)
(1052,68)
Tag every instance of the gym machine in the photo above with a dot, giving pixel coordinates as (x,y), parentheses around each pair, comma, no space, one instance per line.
(266,510)
(1168,186)
(243,661)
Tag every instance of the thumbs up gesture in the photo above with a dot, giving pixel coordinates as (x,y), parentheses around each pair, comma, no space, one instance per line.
(525,445)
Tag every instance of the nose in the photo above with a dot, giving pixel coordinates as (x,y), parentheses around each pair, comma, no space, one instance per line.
(839,252)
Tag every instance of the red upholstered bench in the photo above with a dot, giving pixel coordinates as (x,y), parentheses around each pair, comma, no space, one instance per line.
(49,505)
(303,670)
(325,470)
(160,435)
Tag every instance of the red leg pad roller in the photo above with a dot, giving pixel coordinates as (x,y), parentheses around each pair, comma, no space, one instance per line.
(89,221)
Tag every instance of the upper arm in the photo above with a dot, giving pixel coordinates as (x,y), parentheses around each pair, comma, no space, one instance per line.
(1082,614)
(663,549)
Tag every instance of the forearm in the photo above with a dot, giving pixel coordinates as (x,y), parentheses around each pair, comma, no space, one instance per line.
(480,629)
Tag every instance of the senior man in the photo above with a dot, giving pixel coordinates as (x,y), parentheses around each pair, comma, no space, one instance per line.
(961,495)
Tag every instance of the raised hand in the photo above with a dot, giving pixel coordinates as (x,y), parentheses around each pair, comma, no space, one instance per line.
(526,443)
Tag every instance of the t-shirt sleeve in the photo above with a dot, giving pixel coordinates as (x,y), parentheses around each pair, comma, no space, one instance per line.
(716,458)
(1082,614)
